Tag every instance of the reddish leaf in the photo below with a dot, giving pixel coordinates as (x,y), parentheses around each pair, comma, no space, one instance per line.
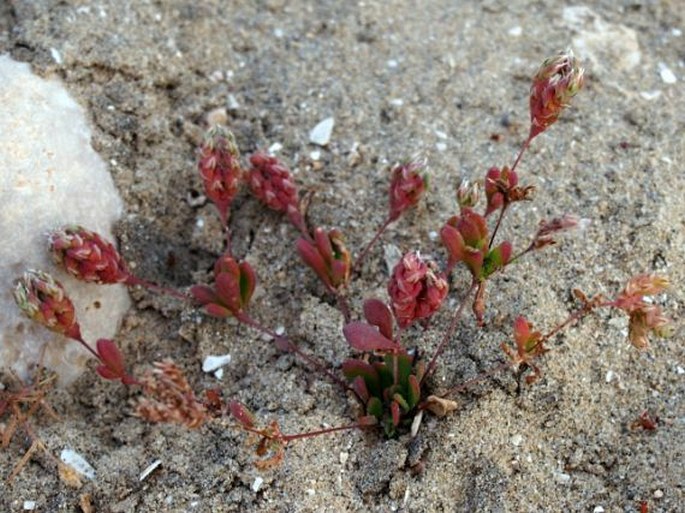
(364,337)
(241,413)
(112,361)
(203,294)
(378,313)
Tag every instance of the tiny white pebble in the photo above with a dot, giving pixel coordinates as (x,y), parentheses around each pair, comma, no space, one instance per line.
(56,56)
(275,147)
(441,146)
(321,133)
(232,102)
(344,456)
(515,31)
(676,32)
(280,330)
(650,95)
(149,470)
(77,462)
(441,134)
(278,32)
(609,377)
(598,509)
(658,494)
(29,505)
(679,370)
(200,222)
(397,102)
(257,484)
(315,155)
(666,74)
(311,492)
(212,362)
(219,373)
(562,477)
(433,235)
(416,423)
(392,63)
(516,440)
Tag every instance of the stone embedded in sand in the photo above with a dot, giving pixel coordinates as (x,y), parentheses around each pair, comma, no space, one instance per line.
(321,133)
(49,176)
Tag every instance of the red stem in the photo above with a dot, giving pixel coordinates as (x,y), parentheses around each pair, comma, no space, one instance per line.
(358,263)
(448,333)
(309,434)
(284,342)
(132,281)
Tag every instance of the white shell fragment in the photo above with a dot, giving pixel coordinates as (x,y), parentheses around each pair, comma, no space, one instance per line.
(666,74)
(149,470)
(212,363)
(321,133)
(257,484)
(77,462)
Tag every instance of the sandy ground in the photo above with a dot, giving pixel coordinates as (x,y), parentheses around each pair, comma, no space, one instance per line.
(441,78)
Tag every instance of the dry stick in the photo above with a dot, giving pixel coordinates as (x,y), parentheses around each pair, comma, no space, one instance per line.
(358,264)
(308,434)
(448,333)
(283,341)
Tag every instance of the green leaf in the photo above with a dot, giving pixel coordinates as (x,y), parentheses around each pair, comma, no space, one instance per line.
(375,407)
(353,368)
(413,391)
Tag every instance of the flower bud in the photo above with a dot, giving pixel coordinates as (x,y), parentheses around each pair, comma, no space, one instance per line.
(327,256)
(417,289)
(219,168)
(558,79)
(234,284)
(407,185)
(87,256)
(468,194)
(42,299)
(272,183)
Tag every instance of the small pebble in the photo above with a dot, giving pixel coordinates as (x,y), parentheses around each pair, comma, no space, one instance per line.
(598,509)
(77,462)
(441,146)
(609,376)
(321,133)
(392,63)
(275,148)
(562,477)
(212,363)
(311,492)
(516,440)
(56,56)
(515,31)
(666,74)
(257,484)
(29,505)
(344,456)
(679,370)
(315,155)
(658,494)
(232,102)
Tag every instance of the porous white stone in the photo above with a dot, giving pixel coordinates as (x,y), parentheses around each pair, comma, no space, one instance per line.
(49,176)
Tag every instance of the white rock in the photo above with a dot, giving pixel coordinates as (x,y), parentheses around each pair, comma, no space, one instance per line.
(315,155)
(610,47)
(212,362)
(515,31)
(77,462)
(516,440)
(275,148)
(50,177)
(257,484)
(666,74)
(321,133)
(29,505)
(344,456)
(598,509)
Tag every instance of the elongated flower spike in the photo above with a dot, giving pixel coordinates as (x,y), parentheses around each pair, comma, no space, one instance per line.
(416,288)
(407,185)
(234,284)
(219,168)
(327,255)
(43,299)
(558,79)
(87,256)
